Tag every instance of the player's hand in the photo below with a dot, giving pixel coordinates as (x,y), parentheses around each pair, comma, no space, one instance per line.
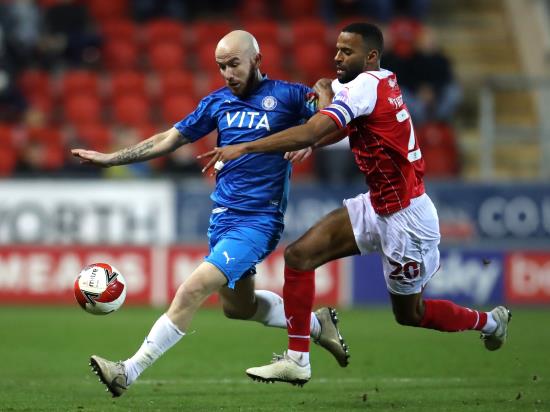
(323,85)
(91,157)
(221,155)
(298,155)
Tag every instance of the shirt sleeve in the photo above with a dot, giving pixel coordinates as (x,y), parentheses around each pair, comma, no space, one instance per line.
(198,123)
(307,101)
(356,98)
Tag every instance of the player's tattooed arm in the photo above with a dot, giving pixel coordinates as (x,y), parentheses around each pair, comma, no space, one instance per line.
(155,146)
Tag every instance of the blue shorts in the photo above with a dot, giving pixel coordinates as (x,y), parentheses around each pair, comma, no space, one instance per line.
(239,241)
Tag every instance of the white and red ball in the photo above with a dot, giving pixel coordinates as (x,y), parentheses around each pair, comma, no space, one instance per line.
(100,289)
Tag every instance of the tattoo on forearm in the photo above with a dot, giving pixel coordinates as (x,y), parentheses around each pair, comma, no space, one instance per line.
(134,153)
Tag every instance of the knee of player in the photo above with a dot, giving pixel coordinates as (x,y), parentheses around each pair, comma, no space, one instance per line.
(232,313)
(297,258)
(191,293)
(408,319)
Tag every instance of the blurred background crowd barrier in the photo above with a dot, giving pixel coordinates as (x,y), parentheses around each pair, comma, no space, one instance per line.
(104,74)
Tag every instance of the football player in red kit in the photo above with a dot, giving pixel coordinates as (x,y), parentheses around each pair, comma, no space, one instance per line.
(395,217)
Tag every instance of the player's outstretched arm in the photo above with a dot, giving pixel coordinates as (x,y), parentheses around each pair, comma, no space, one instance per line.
(155,146)
(294,138)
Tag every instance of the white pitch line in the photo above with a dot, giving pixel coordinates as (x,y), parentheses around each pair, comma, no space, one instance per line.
(371,380)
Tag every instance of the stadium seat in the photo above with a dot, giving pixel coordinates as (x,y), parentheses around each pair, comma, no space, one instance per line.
(206,60)
(308,30)
(6,134)
(131,110)
(95,136)
(47,135)
(251,10)
(264,31)
(313,61)
(293,9)
(8,159)
(165,57)
(304,170)
(104,10)
(403,35)
(44,103)
(213,81)
(175,108)
(79,82)
(272,57)
(120,54)
(439,150)
(34,81)
(119,30)
(163,31)
(205,31)
(82,109)
(47,140)
(176,82)
(127,82)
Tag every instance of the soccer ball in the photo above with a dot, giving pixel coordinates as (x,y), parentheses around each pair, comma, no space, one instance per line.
(100,289)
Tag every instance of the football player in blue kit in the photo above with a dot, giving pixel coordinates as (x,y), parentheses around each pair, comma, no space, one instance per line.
(249,199)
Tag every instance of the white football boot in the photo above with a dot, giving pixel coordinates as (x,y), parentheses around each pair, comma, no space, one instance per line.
(281,369)
(495,340)
(112,374)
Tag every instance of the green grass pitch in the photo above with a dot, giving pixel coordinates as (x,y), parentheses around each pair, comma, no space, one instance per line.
(44,365)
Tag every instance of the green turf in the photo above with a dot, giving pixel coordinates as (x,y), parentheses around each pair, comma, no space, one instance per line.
(44,365)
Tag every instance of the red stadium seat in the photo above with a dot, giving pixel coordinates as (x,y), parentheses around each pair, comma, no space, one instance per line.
(304,170)
(8,159)
(272,57)
(6,135)
(35,82)
(175,108)
(79,82)
(313,61)
(119,30)
(176,82)
(104,10)
(213,81)
(206,58)
(250,10)
(162,31)
(164,57)
(82,109)
(47,135)
(209,31)
(120,55)
(403,36)
(264,31)
(95,136)
(127,82)
(308,30)
(146,130)
(293,9)
(43,103)
(131,110)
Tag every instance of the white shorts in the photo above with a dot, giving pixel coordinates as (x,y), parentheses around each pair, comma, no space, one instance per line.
(408,240)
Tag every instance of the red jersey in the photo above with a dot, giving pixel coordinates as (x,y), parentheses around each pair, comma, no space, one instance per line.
(381,136)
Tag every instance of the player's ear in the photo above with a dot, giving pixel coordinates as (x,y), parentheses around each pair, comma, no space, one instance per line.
(257,60)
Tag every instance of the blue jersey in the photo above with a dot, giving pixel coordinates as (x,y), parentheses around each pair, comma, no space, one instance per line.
(256,182)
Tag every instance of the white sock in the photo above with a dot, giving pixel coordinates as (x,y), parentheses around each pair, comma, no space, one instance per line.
(163,335)
(271,312)
(491,324)
(301,358)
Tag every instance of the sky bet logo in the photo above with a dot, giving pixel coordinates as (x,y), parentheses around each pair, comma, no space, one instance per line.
(250,120)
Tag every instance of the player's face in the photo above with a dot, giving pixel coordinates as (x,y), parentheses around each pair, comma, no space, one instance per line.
(238,72)
(351,56)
